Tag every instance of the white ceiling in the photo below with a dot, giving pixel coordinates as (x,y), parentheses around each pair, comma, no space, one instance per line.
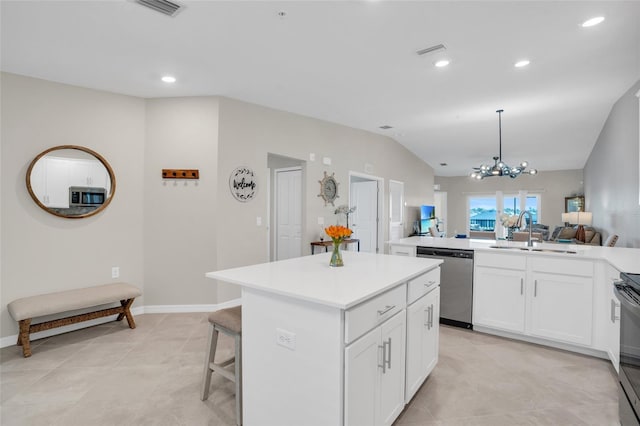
(354,63)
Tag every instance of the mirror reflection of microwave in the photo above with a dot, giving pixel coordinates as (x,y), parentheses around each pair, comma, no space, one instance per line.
(82,196)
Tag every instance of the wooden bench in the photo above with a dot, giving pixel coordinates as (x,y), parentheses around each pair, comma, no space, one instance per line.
(25,309)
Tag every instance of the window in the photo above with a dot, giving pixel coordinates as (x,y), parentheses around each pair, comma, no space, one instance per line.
(483,209)
(482,213)
(512,203)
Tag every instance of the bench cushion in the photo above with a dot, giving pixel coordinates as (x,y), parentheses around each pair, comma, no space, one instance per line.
(69,300)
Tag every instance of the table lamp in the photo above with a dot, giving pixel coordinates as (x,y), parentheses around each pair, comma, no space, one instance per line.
(566,218)
(583,218)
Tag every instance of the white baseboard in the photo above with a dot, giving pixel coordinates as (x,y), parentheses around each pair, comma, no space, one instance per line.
(138,310)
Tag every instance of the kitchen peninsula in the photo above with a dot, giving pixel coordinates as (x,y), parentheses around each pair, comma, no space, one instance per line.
(327,346)
(558,295)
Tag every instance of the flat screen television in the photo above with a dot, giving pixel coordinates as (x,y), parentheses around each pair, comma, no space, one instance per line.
(427,218)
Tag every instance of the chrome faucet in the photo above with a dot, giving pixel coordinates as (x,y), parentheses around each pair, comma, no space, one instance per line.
(519,225)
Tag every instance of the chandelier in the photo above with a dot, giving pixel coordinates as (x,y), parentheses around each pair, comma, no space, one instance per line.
(499,168)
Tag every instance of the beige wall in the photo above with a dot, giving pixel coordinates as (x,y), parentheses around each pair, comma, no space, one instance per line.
(553,185)
(181,216)
(611,173)
(165,235)
(41,252)
(248,133)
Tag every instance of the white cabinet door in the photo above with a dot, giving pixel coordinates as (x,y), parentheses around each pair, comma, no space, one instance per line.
(431,342)
(613,319)
(362,379)
(422,340)
(57,182)
(393,373)
(374,375)
(562,307)
(499,298)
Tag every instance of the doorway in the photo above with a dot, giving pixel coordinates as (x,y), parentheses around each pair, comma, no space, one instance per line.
(286,207)
(288,213)
(365,195)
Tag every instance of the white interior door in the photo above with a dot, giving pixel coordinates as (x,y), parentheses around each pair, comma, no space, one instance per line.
(288,213)
(396,209)
(364,195)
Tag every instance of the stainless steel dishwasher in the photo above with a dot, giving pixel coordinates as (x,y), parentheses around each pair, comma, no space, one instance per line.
(456,284)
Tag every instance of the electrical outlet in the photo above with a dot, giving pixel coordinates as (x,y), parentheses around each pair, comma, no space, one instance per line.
(326,161)
(259,221)
(320,220)
(286,338)
(115,272)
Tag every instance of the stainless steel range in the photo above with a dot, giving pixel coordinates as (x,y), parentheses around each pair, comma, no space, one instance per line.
(628,292)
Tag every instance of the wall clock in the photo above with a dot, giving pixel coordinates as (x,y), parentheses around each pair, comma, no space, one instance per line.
(328,188)
(242,183)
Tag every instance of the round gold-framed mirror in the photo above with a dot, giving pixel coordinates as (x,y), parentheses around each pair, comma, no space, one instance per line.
(71,181)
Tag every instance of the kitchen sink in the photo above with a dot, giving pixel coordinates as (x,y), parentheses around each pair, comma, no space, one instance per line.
(534,249)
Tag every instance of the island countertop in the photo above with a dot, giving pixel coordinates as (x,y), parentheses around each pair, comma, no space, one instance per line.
(310,278)
(622,258)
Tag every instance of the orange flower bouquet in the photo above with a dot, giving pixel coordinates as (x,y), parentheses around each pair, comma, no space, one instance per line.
(338,234)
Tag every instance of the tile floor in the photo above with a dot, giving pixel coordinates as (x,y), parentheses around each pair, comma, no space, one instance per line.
(110,375)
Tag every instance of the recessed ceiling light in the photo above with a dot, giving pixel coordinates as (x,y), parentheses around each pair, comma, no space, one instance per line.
(522,63)
(593,21)
(442,63)
(169,79)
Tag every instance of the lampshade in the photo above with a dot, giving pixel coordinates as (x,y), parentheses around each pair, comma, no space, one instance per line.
(572,217)
(584,218)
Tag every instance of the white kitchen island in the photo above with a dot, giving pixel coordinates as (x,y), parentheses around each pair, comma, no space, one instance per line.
(327,346)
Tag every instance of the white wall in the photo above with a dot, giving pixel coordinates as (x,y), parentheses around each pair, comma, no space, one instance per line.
(163,235)
(553,185)
(41,252)
(611,173)
(181,216)
(248,133)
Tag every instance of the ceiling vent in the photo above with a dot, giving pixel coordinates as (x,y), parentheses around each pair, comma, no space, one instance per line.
(386,127)
(431,49)
(163,6)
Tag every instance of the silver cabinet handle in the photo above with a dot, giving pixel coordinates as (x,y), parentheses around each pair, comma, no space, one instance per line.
(429,284)
(388,342)
(427,313)
(614,317)
(386,309)
(386,362)
(521,286)
(431,317)
(535,288)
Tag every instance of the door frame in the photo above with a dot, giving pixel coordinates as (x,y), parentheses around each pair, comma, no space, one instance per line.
(275,206)
(402,205)
(380,213)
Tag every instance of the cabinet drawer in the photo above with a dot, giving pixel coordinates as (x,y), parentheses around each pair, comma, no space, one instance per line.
(403,251)
(563,266)
(365,316)
(501,260)
(422,284)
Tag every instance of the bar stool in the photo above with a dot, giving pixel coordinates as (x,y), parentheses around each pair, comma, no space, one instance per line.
(229,322)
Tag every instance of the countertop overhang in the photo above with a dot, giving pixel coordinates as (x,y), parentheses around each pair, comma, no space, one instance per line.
(622,258)
(310,278)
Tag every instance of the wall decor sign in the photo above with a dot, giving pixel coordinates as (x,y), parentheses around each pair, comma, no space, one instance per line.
(242,183)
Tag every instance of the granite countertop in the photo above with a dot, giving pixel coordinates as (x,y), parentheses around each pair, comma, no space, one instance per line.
(310,278)
(622,258)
